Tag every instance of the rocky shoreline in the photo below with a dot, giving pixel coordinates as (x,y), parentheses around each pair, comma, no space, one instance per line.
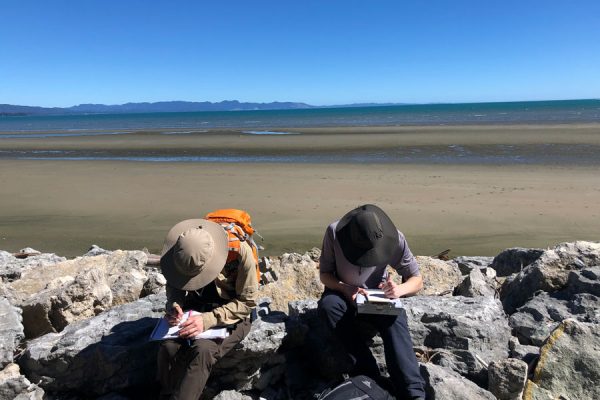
(522,325)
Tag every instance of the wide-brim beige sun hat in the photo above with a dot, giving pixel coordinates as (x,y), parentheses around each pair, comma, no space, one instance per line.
(194,253)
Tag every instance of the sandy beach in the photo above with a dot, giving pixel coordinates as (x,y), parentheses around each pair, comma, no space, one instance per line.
(64,206)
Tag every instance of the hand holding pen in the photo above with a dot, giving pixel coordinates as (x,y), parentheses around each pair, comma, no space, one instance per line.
(175,315)
(391,289)
(193,325)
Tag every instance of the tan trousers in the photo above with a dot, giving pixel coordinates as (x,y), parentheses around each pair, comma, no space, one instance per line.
(184,369)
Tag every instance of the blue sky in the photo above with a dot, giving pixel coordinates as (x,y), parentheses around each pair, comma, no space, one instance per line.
(62,53)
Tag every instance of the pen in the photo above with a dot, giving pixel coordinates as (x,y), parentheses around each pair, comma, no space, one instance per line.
(384,276)
(189,342)
(177,309)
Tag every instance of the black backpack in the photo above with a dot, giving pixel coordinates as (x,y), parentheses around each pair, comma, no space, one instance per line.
(359,387)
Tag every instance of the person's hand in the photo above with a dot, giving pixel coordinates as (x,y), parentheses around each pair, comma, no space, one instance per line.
(174,317)
(193,326)
(391,289)
(350,292)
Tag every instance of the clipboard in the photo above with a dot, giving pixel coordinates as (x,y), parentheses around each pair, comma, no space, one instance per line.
(163,331)
(375,302)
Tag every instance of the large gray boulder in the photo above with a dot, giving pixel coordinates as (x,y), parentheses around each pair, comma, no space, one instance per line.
(439,277)
(534,321)
(445,384)
(463,362)
(65,301)
(14,386)
(459,333)
(514,260)
(526,353)
(11,331)
(92,357)
(585,281)
(478,283)
(255,362)
(550,272)
(476,324)
(53,296)
(507,378)
(272,362)
(296,278)
(124,271)
(155,283)
(585,307)
(569,364)
(468,263)
(11,267)
(110,354)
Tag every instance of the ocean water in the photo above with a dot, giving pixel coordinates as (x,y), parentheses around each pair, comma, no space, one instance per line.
(568,111)
(283,122)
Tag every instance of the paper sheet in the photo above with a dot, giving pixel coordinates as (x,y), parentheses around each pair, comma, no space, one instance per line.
(163,330)
(377,296)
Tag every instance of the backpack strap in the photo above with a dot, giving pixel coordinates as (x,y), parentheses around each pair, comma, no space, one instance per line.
(238,225)
(235,237)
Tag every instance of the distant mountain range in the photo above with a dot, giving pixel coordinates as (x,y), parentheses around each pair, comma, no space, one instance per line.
(234,105)
(161,106)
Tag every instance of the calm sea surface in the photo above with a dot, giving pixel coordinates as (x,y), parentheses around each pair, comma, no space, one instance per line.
(570,111)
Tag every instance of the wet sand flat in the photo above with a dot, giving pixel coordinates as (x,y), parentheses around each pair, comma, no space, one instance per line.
(65,206)
(313,139)
(473,189)
(565,145)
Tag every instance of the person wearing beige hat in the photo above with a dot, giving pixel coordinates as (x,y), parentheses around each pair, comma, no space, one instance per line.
(199,277)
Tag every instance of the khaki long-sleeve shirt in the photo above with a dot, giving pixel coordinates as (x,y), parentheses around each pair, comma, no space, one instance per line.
(237,285)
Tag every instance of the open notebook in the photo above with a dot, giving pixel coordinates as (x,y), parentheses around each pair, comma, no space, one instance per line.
(163,330)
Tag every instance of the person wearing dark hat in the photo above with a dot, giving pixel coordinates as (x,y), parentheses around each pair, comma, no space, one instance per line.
(194,262)
(356,252)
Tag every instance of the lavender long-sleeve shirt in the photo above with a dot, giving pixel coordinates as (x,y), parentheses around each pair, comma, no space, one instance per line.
(333,261)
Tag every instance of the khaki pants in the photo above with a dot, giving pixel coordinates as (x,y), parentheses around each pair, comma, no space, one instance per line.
(184,369)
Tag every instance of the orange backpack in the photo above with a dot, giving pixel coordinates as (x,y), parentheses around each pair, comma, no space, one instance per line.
(238,225)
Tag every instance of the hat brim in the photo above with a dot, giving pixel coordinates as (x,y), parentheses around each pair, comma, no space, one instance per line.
(384,249)
(211,268)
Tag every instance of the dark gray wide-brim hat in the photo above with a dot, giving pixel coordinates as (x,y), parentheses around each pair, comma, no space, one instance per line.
(194,253)
(367,236)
